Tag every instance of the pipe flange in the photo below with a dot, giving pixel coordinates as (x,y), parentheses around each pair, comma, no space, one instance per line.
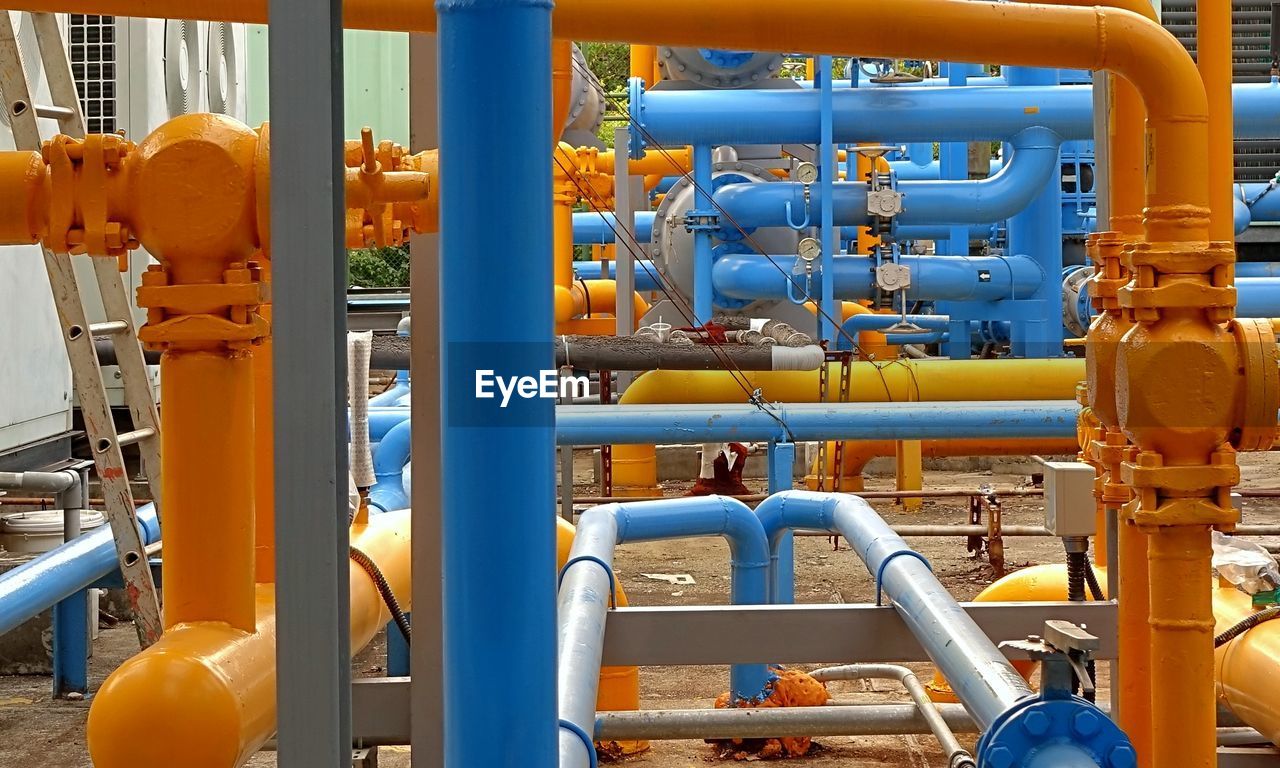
(1257,428)
(587,98)
(1075,299)
(1031,733)
(672,244)
(717,68)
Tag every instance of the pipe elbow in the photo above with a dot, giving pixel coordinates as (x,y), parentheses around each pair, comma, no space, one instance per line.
(745,534)
(207,691)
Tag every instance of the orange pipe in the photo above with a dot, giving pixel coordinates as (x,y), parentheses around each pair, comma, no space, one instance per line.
(208,690)
(561,84)
(642,63)
(1214,59)
(1026,35)
(264,449)
(1246,667)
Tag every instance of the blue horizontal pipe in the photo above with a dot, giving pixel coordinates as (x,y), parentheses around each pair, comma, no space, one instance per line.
(967,113)
(1257,269)
(596,228)
(646,273)
(935,232)
(674,118)
(37,585)
(748,551)
(933,278)
(983,201)
(909,170)
(382,419)
(865,82)
(1263,206)
(1258,297)
(793,422)
(389,458)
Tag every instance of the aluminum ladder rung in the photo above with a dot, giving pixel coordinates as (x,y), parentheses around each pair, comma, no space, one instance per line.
(85,369)
(109,328)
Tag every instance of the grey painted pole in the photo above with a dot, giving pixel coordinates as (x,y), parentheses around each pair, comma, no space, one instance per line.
(313,658)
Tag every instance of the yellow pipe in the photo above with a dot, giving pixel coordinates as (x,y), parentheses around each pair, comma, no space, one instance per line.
(1026,35)
(619,686)
(858,453)
(207,690)
(642,63)
(264,449)
(1214,59)
(561,84)
(1037,584)
(1247,667)
(635,467)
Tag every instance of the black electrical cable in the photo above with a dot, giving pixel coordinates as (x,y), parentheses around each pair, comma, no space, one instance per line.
(1245,625)
(1091,579)
(1080,572)
(380,582)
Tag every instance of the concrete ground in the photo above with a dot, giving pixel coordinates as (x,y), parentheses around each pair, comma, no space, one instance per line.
(37,732)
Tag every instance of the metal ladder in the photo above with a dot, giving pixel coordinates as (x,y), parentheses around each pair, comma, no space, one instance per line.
(79,335)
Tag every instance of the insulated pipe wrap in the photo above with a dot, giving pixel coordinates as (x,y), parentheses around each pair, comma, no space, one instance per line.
(358,346)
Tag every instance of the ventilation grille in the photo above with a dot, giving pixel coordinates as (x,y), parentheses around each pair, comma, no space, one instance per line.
(1256,160)
(93,65)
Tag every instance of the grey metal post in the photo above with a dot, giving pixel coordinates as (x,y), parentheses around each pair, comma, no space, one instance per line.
(426,690)
(566,459)
(313,658)
(625,201)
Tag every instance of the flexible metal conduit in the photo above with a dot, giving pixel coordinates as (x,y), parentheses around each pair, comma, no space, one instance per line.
(586,579)
(933,278)
(985,201)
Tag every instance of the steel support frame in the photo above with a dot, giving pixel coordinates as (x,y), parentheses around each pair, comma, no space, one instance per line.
(313,659)
(787,634)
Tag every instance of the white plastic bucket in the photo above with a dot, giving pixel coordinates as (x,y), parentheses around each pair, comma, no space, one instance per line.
(40,531)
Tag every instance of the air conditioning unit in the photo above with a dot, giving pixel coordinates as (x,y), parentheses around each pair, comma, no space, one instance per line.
(135,74)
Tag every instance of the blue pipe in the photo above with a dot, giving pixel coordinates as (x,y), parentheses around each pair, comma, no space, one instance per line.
(389,458)
(674,118)
(1257,269)
(400,387)
(382,419)
(646,273)
(597,228)
(1258,297)
(963,113)
(795,422)
(933,278)
(37,585)
(1242,215)
(1262,205)
(748,550)
(985,201)
(928,82)
(909,170)
(498,538)
(703,293)
(1036,230)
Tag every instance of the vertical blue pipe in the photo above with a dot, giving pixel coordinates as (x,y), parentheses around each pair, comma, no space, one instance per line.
(1037,232)
(702,288)
(782,457)
(828,169)
(498,538)
(953,163)
(71,645)
(397,650)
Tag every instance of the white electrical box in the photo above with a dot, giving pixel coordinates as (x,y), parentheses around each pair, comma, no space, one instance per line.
(1068,499)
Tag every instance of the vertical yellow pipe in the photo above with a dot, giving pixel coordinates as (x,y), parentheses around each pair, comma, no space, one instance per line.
(643,63)
(1182,635)
(561,84)
(208,462)
(1214,58)
(264,449)
(909,471)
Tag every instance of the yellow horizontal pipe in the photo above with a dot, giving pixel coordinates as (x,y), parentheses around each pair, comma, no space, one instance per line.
(1247,668)
(857,453)
(635,467)
(206,691)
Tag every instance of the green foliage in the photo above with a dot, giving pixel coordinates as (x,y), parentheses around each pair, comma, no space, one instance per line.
(611,62)
(378,267)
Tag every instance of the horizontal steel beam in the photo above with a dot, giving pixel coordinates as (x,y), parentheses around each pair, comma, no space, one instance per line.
(800,634)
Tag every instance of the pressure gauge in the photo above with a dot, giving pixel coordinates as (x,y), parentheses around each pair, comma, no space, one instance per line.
(807,173)
(809,249)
